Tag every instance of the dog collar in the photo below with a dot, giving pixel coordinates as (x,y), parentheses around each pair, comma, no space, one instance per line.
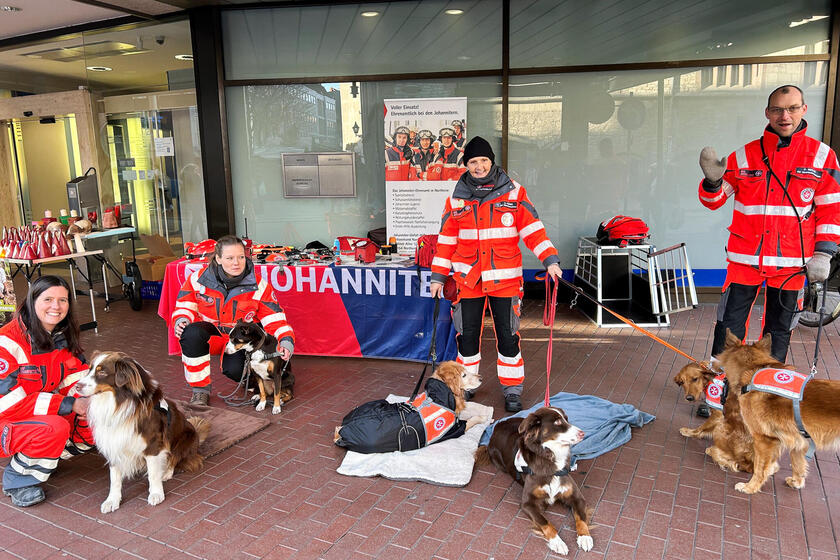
(523,468)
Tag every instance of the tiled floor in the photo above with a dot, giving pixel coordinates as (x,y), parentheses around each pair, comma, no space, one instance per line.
(277,493)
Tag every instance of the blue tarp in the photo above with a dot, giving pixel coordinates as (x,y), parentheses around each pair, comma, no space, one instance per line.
(606,424)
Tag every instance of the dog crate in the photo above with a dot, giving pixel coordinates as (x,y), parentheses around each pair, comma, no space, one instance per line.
(636,281)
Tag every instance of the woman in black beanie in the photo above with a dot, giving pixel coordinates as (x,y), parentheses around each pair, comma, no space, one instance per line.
(482,223)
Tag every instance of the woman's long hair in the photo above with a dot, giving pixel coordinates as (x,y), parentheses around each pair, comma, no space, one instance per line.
(39,337)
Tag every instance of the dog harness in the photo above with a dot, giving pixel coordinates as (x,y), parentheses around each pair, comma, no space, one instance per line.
(784,383)
(437,419)
(717,391)
(163,408)
(523,468)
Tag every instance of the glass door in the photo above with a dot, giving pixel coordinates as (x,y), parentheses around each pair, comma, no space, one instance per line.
(156,169)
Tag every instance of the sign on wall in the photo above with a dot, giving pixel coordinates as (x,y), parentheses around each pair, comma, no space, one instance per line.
(424,142)
(317,174)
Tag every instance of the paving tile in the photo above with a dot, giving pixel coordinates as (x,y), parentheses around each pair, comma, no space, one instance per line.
(277,495)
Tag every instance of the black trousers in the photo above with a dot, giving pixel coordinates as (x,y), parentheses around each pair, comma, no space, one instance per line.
(779,317)
(195,342)
(470,311)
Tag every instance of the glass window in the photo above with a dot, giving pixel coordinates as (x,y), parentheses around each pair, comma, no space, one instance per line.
(592,145)
(267,121)
(551,33)
(359,39)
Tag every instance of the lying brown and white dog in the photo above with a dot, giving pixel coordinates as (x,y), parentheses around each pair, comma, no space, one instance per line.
(135,428)
(536,452)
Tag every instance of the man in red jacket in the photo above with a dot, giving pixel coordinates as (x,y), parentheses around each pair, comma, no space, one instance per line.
(786,218)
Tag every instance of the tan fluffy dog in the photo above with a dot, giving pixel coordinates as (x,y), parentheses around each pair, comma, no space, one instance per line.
(769,418)
(733,446)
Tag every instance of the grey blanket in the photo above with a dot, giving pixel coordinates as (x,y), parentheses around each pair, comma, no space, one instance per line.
(606,424)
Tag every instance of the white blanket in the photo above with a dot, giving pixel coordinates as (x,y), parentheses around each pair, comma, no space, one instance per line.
(448,463)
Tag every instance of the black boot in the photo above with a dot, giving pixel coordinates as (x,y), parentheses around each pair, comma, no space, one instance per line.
(703,410)
(513,403)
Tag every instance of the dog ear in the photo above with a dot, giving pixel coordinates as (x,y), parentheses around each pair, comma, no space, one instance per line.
(732,340)
(765,343)
(127,374)
(530,427)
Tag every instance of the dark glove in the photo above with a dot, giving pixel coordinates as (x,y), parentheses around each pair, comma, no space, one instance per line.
(712,168)
(818,267)
(408,153)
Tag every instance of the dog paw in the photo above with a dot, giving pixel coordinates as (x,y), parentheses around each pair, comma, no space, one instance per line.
(276,409)
(254,397)
(261,405)
(109,505)
(557,545)
(585,543)
(745,488)
(687,432)
(795,482)
(155,498)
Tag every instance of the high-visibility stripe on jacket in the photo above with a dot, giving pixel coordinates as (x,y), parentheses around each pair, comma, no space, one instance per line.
(437,419)
(479,237)
(35,384)
(765,231)
(202,298)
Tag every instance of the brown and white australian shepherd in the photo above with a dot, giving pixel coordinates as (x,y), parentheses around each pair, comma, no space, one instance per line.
(536,452)
(135,428)
(770,418)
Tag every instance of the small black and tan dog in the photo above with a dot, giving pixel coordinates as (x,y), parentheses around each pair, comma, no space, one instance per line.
(536,452)
(265,363)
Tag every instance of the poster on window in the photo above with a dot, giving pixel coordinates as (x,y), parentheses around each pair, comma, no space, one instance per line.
(424,143)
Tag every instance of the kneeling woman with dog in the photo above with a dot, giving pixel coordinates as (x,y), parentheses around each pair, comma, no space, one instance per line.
(40,362)
(209,304)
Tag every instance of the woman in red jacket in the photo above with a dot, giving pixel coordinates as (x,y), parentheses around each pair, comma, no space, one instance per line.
(40,362)
(209,304)
(482,224)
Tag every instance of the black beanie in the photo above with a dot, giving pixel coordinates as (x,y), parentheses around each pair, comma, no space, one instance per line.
(478,147)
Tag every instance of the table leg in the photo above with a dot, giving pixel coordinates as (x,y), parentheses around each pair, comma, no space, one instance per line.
(72,278)
(105,283)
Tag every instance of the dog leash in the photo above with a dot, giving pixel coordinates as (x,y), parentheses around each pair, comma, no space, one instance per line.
(432,350)
(230,400)
(548,320)
(579,292)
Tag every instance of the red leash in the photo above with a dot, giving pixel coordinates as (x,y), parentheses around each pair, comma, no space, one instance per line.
(549,312)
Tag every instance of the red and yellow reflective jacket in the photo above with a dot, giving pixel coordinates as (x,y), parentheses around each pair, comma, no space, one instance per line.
(765,229)
(204,298)
(447,165)
(479,237)
(32,383)
(397,167)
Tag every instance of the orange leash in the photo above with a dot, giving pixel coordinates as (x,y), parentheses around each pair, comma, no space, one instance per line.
(579,291)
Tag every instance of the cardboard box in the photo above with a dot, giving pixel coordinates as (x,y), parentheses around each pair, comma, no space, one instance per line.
(152,267)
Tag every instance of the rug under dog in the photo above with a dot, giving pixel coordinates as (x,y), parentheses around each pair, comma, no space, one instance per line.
(448,463)
(227,426)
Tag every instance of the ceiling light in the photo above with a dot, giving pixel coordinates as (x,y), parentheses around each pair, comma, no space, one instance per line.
(183,57)
(453,12)
(464,57)
(370,14)
(10,9)
(99,68)
(806,20)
